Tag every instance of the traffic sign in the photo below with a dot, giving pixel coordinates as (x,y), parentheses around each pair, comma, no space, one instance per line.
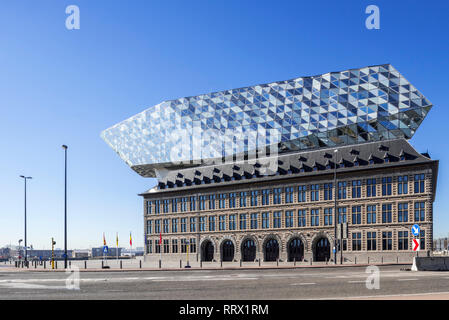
(416,243)
(415,230)
(105,249)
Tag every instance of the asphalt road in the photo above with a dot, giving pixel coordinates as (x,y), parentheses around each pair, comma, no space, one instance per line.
(305,283)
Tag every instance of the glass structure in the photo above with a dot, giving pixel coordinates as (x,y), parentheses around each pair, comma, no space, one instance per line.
(337,108)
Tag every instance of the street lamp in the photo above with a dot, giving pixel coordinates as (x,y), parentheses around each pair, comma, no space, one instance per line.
(25,179)
(65,206)
(335,206)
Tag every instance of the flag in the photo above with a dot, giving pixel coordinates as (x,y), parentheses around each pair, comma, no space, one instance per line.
(116,238)
(130,239)
(104,239)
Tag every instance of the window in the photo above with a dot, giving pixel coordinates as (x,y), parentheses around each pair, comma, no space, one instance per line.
(193,224)
(211,223)
(149,204)
(386,186)
(315,217)
(232,197)
(371,214)
(174,246)
(254,217)
(402,212)
(222,223)
(289,219)
(315,192)
(357,215)
(419,183)
(232,222)
(277,219)
(184,204)
(174,225)
(202,202)
(165,205)
(422,240)
(342,215)
(301,218)
(402,240)
(192,245)
(243,221)
(212,201)
(265,220)
(157,206)
(386,213)
(222,200)
(157,248)
(243,199)
(277,196)
(183,224)
(166,246)
(202,223)
(302,193)
(342,190)
(157,226)
(289,195)
(183,245)
(356,188)
(420,213)
(356,241)
(192,204)
(265,197)
(174,205)
(150,246)
(328,191)
(165,226)
(371,187)
(371,241)
(149,227)
(387,240)
(402,184)
(254,195)
(328,216)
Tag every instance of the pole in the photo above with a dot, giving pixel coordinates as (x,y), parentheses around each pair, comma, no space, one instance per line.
(335,207)
(52,253)
(25,219)
(65,206)
(188,245)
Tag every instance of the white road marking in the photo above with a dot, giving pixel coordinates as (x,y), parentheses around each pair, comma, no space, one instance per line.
(407,279)
(303,284)
(357,281)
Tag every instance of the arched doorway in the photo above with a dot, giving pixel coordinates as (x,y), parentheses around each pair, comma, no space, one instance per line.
(295,250)
(271,250)
(227,251)
(248,250)
(207,251)
(322,250)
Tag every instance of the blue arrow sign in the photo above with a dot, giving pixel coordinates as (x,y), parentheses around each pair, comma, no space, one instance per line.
(415,230)
(105,249)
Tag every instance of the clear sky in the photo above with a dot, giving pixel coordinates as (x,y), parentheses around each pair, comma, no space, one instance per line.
(60,86)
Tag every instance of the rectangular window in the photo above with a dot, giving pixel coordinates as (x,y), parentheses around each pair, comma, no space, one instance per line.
(402,240)
(357,215)
(289,219)
(202,223)
(192,244)
(232,196)
(174,245)
(386,213)
(302,193)
(371,241)
(149,227)
(157,247)
(254,195)
(277,219)
(314,217)
(174,225)
(222,200)
(356,188)
(254,217)
(289,195)
(342,215)
(174,205)
(157,226)
(202,203)
(402,212)
(183,245)
(301,218)
(183,224)
(242,221)
(387,240)
(371,214)
(419,183)
(342,190)
(243,199)
(356,241)
(150,246)
(192,204)
(265,197)
(157,206)
(371,187)
(386,186)
(165,205)
(166,246)
(328,191)
(328,216)
(184,204)
(402,184)
(232,222)
(265,220)
(222,223)
(420,212)
(277,199)
(211,223)
(149,205)
(193,224)
(165,230)
(212,201)
(315,192)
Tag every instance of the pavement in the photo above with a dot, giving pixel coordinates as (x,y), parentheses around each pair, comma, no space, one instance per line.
(253,284)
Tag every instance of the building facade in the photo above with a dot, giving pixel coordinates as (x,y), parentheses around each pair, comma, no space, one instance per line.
(313,168)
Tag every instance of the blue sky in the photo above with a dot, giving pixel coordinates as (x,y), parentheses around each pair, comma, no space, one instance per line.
(60,86)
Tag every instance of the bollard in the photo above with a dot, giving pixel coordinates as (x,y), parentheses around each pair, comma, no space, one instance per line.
(382,259)
(160,264)
(102,264)
(368,259)
(221,263)
(277,262)
(201,263)
(45,264)
(121,264)
(56,264)
(180,263)
(259,262)
(240,262)
(311,261)
(70,264)
(294,261)
(35,266)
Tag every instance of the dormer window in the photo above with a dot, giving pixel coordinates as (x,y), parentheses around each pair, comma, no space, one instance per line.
(371,161)
(301,170)
(315,168)
(328,167)
(402,158)
(386,160)
(356,163)
(342,165)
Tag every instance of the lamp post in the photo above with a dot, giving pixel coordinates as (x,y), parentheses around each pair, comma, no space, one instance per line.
(335,206)
(65,205)
(25,179)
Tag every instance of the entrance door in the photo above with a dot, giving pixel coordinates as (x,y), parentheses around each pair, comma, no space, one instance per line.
(208,251)
(295,250)
(322,250)
(271,250)
(248,250)
(227,253)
